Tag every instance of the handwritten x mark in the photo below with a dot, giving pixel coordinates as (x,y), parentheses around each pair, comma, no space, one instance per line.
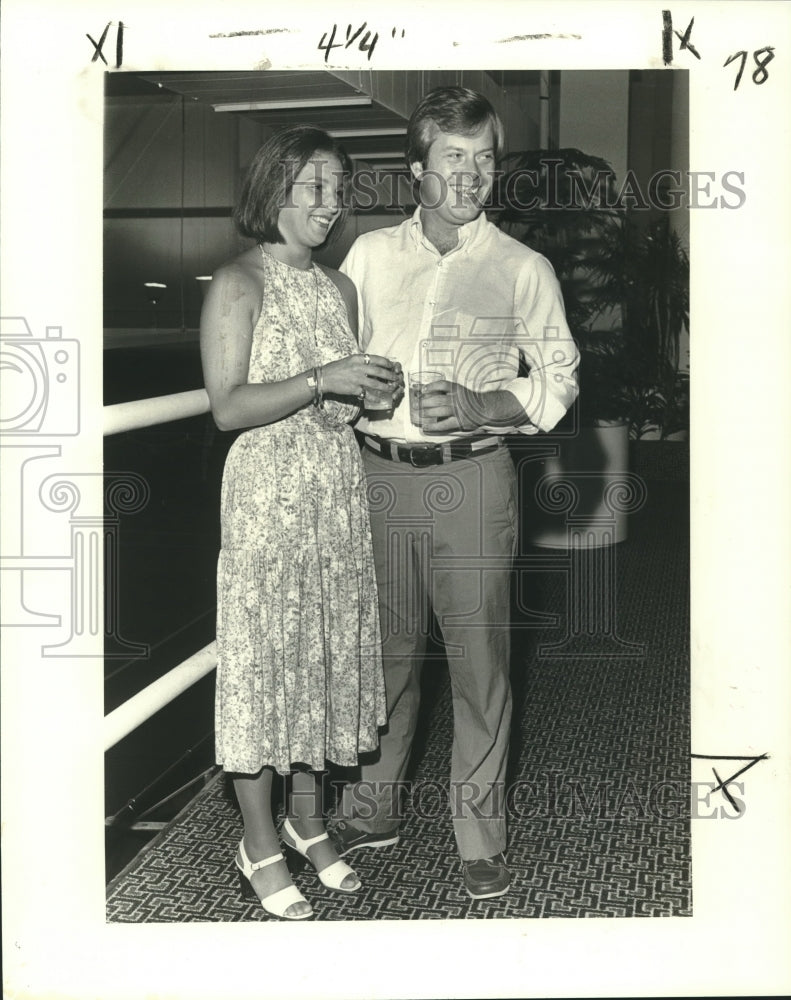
(722,786)
(98,46)
(685,42)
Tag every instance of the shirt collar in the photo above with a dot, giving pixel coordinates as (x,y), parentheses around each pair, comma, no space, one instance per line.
(469,233)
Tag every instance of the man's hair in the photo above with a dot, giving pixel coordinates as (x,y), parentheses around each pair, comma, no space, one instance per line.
(270,179)
(455,110)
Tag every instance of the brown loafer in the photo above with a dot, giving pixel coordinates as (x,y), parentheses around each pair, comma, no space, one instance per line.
(486,877)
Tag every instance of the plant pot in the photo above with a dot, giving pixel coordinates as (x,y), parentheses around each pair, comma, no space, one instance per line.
(579,496)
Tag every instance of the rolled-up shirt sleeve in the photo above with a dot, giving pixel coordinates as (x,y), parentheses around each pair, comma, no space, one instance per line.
(544,340)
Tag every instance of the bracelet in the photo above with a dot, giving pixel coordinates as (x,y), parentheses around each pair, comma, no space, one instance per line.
(319,397)
(313,383)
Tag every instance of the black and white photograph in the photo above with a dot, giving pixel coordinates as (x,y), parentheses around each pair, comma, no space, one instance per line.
(551,781)
(386,537)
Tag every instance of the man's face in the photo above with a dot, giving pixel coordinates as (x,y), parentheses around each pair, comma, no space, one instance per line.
(457,176)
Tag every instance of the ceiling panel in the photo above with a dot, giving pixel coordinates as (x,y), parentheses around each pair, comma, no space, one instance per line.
(215,88)
(218,88)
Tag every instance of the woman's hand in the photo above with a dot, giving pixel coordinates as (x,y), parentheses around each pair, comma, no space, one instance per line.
(356,374)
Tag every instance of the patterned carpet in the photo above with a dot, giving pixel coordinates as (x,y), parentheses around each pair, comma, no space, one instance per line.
(599,775)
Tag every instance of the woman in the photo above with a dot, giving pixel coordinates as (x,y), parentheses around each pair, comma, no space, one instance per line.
(299,674)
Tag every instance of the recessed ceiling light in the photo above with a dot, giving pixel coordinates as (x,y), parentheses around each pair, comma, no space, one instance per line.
(316,102)
(364,133)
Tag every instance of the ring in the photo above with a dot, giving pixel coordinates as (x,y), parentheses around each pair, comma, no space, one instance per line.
(367,358)
(362,393)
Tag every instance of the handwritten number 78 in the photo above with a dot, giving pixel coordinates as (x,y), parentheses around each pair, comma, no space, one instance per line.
(760,73)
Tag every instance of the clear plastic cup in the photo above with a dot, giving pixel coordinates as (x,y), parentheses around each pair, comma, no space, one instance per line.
(418,382)
(379,400)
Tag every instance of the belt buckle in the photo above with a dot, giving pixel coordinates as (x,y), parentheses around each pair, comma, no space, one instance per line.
(429,452)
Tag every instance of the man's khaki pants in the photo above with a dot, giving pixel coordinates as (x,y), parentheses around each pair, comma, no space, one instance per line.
(444,537)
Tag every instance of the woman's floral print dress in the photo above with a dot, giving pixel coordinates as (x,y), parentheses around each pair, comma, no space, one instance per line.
(299,670)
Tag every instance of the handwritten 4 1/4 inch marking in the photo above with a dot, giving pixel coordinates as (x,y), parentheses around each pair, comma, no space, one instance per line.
(367,42)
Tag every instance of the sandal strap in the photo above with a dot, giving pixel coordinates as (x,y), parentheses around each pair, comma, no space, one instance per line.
(333,875)
(248,866)
(300,844)
(307,844)
(256,865)
(279,902)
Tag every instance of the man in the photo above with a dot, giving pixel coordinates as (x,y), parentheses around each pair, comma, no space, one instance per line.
(447,291)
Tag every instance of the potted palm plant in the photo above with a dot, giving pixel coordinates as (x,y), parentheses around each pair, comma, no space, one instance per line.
(643,272)
(626,291)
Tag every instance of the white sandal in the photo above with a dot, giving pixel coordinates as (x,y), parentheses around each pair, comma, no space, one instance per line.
(333,876)
(276,903)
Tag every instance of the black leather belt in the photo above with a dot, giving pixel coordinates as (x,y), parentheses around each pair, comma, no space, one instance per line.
(423,455)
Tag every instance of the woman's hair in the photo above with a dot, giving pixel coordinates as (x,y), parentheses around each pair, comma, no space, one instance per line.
(455,110)
(270,178)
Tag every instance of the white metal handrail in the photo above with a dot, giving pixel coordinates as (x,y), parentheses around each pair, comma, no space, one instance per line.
(130,416)
(139,708)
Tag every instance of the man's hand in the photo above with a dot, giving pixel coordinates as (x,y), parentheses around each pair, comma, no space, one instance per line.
(447,407)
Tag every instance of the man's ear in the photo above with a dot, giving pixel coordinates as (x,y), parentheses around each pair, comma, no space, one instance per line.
(417,169)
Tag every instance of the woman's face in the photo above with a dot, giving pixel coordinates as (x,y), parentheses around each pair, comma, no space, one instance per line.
(314,203)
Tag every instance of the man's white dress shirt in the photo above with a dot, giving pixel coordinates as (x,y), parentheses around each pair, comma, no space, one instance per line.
(468,314)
